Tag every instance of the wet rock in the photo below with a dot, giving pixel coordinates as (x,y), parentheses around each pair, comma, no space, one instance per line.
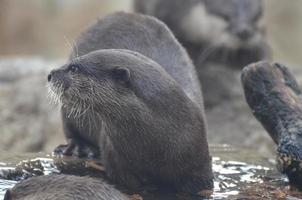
(274,97)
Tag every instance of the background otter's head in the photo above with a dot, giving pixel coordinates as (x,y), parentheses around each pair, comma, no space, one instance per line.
(233,23)
(224,31)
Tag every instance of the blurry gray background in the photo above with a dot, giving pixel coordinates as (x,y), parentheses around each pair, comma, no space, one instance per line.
(35,27)
(37,35)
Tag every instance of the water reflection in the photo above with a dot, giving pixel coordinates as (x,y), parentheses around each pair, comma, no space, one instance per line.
(4,185)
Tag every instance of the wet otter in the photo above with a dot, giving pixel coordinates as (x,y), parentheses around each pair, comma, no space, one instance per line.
(130,97)
(220,36)
(274,96)
(57,187)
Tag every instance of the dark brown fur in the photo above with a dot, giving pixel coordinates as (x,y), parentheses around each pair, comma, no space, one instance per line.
(136,105)
(67,187)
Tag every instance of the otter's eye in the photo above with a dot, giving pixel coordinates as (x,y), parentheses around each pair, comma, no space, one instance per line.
(73,68)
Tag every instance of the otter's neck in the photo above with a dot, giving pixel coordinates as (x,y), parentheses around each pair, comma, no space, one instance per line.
(203,53)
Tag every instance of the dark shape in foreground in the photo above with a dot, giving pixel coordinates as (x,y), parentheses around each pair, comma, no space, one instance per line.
(274,96)
(63,187)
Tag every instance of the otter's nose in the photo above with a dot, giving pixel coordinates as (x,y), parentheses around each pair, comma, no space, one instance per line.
(244,33)
(49,77)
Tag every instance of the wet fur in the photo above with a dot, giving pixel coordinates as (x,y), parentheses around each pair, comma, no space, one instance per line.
(57,187)
(149,121)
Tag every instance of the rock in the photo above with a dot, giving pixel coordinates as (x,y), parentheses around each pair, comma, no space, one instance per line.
(274,97)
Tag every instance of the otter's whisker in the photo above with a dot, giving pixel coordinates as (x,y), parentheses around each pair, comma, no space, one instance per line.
(55,94)
(76,48)
(71,47)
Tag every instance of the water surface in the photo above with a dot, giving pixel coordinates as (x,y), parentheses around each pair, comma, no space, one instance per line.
(239,174)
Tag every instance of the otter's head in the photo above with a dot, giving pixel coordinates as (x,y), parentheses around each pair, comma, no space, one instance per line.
(98,79)
(232,23)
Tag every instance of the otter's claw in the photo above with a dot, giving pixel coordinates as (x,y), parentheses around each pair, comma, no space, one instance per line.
(81,151)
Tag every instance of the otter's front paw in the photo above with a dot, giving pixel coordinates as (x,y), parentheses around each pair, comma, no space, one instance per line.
(81,151)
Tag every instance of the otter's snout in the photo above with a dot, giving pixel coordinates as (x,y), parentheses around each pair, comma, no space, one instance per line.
(58,78)
(55,75)
(244,33)
(50,75)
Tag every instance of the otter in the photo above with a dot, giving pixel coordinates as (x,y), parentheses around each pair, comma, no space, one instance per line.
(274,96)
(129,99)
(220,36)
(57,187)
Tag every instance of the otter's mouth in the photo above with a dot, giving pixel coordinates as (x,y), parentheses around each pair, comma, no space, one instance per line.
(57,86)
(234,41)
(55,92)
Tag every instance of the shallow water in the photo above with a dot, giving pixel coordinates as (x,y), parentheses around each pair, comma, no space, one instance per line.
(239,174)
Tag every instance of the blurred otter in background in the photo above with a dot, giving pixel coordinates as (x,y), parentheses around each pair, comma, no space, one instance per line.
(220,36)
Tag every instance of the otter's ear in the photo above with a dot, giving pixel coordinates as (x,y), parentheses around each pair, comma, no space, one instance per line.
(121,74)
(8,195)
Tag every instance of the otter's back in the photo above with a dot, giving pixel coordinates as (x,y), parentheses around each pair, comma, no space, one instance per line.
(66,187)
(145,35)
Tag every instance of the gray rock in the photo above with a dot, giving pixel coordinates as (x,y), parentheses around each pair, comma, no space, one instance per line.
(27,120)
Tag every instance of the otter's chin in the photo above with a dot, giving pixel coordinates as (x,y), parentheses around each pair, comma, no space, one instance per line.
(237,44)
(234,43)
(56,92)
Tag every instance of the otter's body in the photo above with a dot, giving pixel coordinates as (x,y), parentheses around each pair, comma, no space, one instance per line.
(128,101)
(67,187)
(220,36)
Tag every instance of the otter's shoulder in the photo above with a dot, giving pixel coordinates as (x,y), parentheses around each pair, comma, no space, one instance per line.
(130,17)
(139,23)
(122,30)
